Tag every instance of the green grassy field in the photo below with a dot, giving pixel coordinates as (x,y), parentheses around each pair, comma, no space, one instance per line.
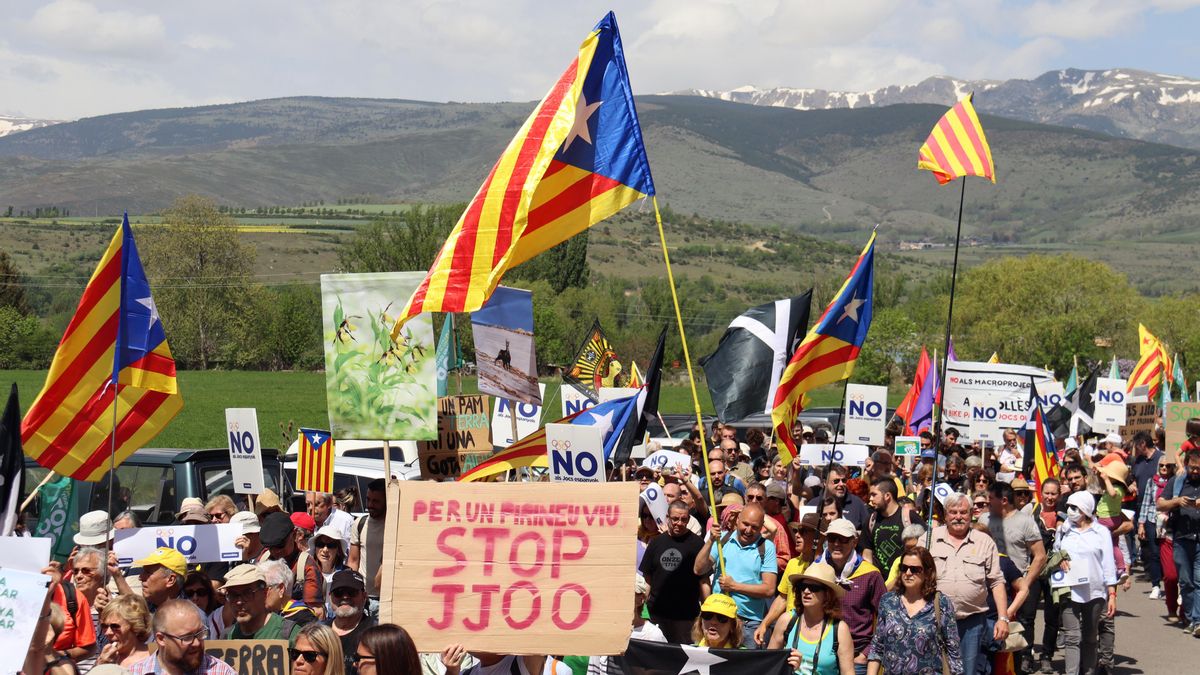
(299,399)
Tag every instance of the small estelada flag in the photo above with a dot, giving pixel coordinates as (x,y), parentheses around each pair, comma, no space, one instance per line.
(314,466)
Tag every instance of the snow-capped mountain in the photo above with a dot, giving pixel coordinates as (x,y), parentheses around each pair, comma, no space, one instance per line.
(1120,102)
(12,125)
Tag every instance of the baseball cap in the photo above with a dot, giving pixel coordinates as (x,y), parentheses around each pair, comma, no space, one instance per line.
(776,491)
(841,527)
(243,575)
(812,481)
(247,520)
(347,579)
(166,557)
(1071,443)
(929,453)
(94,529)
(806,429)
(719,603)
(276,528)
(304,521)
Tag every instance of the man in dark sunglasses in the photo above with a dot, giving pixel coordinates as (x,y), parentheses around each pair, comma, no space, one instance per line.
(851,507)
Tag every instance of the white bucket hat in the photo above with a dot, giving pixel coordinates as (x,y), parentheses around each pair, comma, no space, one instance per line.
(94,529)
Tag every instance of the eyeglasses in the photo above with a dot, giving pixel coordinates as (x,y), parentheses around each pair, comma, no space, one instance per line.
(309,655)
(327,544)
(755,498)
(811,588)
(713,616)
(241,596)
(194,592)
(911,569)
(190,638)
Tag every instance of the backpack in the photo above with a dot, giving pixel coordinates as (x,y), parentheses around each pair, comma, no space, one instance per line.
(762,546)
(905,519)
(298,571)
(817,651)
(72,600)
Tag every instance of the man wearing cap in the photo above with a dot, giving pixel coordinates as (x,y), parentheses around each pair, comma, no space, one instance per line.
(325,512)
(1023,495)
(804,534)
(179,633)
(278,535)
(1017,536)
(347,592)
(246,589)
(162,576)
(968,569)
(750,573)
(863,581)
(851,507)
(668,566)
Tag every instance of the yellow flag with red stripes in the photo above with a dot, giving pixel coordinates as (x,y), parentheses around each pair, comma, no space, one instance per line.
(1152,367)
(957,146)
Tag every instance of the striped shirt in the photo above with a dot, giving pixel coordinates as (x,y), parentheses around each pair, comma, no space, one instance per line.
(209,665)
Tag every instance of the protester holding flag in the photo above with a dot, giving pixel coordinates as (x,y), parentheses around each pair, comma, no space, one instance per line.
(749,571)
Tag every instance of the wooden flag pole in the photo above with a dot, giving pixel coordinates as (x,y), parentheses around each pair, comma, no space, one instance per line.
(33,493)
(687,359)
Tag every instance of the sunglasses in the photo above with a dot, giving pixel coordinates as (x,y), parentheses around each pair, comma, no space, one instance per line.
(911,569)
(837,539)
(114,627)
(309,656)
(755,498)
(194,592)
(359,658)
(811,588)
(981,505)
(713,616)
(327,544)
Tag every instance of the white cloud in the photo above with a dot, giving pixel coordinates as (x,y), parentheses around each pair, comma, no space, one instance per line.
(204,42)
(75,25)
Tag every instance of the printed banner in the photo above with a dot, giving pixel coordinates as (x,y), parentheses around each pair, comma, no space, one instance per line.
(504,350)
(1110,405)
(197,543)
(1175,419)
(574,400)
(21,597)
(529,418)
(846,454)
(252,657)
(245,453)
(463,431)
(664,459)
(58,518)
(576,453)
(866,408)
(1138,417)
(511,568)
(377,387)
(1007,384)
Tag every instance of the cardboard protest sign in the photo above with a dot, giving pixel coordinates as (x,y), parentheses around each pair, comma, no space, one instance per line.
(21,596)
(846,454)
(576,453)
(463,430)
(377,386)
(1138,417)
(573,400)
(504,349)
(1175,419)
(1110,405)
(245,452)
(908,446)
(529,417)
(252,657)
(866,408)
(197,543)
(513,568)
(28,554)
(1007,383)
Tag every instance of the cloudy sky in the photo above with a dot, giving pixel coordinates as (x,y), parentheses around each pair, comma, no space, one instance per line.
(64,59)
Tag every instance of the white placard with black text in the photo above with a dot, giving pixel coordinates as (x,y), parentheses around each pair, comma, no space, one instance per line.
(573,400)
(1110,405)
(846,454)
(528,417)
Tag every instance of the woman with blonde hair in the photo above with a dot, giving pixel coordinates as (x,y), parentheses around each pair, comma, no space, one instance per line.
(318,651)
(220,509)
(718,624)
(125,622)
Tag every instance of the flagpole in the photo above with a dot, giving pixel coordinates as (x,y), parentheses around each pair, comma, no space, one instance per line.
(937,422)
(33,493)
(112,470)
(687,359)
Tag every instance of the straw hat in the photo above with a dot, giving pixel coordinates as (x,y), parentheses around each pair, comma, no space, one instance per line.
(822,574)
(1117,471)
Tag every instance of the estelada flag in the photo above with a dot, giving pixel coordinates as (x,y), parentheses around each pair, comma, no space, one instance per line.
(114,343)
(595,364)
(829,351)
(578,159)
(314,465)
(957,147)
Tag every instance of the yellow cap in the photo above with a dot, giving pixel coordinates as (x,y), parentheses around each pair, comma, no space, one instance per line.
(167,557)
(719,603)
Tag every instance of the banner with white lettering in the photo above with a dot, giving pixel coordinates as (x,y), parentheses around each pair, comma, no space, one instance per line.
(573,400)
(1007,384)
(576,453)
(1110,405)
(866,407)
(197,543)
(245,453)
(846,454)
(528,418)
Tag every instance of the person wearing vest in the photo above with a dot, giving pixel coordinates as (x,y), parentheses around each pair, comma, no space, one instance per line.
(279,537)
(246,589)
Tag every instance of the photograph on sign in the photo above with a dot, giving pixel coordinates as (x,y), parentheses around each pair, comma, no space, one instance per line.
(529,418)
(197,543)
(1007,382)
(20,606)
(576,453)
(377,386)
(245,453)
(268,657)
(846,454)
(908,446)
(513,568)
(1175,418)
(1110,402)
(504,351)
(463,430)
(866,408)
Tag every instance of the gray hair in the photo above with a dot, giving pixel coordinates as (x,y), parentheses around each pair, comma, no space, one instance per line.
(914,531)
(130,516)
(86,552)
(325,497)
(172,606)
(277,573)
(956,499)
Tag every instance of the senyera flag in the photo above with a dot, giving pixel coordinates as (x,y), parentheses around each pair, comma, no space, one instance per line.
(1152,367)
(314,461)
(957,146)
(577,159)
(115,344)
(829,351)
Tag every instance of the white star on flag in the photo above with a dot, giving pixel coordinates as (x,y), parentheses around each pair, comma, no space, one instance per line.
(148,302)
(699,660)
(316,440)
(603,422)
(851,309)
(579,129)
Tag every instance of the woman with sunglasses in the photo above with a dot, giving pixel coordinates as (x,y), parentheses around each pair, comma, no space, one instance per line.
(198,587)
(318,651)
(821,643)
(386,649)
(327,550)
(126,625)
(916,633)
(718,625)
(979,506)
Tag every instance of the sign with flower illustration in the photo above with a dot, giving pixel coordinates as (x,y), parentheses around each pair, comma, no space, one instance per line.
(377,387)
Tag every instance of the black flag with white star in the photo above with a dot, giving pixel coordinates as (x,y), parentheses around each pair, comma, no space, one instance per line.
(659,658)
(744,372)
(1073,417)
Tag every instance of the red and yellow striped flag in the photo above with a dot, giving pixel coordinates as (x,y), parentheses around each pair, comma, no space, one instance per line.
(115,342)
(1152,367)
(578,159)
(957,147)
(529,451)
(314,461)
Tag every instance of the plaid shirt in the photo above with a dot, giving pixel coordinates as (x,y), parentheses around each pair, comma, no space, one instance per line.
(209,665)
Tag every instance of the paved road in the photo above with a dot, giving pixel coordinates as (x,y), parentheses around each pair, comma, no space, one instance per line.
(1146,643)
